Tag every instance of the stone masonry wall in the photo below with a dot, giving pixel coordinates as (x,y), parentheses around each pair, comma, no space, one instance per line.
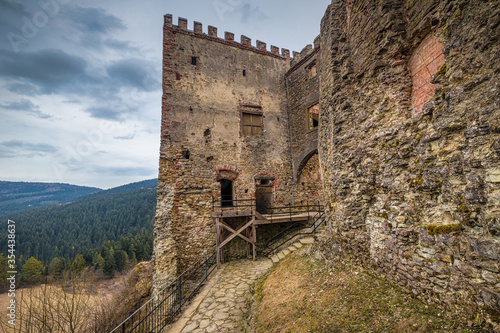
(302,85)
(412,182)
(308,188)
(208,82)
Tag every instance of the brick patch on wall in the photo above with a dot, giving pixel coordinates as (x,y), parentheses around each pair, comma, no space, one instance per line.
(424,64)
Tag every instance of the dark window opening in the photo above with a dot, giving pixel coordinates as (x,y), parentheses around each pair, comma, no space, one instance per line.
(177,76)
(251,123)
(193,61)
(208,135)
(210,158)
(264,181)
(226,193)
(186,154)
(190,109)
(244,72)
(246,191)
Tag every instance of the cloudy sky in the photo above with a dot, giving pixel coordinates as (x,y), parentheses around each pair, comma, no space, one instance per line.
(80,81)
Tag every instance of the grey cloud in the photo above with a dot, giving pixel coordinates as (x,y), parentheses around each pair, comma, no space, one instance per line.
(26,106)
(11,14)
(93,20)
(16,148)
(50,69)
(125,137)
(125,171)
(23,89)
(21,105)
(135,73)
(119,44)
(104,113)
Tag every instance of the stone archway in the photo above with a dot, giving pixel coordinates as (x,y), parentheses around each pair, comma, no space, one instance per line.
(308,184)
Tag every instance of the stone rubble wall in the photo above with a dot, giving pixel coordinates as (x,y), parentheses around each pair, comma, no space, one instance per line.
(413,189)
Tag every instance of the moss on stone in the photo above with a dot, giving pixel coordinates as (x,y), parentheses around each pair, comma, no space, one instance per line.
(462,207)
(442,70)
(443,229)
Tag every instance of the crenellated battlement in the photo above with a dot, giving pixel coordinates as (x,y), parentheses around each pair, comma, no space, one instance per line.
(212,33)
(306,52)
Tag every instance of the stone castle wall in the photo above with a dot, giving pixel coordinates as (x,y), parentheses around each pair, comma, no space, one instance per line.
(409,144)
(302,84)
(208,84)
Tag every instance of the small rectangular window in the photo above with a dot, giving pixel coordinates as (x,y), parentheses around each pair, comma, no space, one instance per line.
(193,61)
(312,72)
(313,117)
(251,123)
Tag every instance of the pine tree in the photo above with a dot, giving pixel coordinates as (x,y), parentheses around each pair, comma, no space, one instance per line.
(120,259)
(56,267)
(109,263)
(3,270)
(78,264)
(31,270)
(98,261)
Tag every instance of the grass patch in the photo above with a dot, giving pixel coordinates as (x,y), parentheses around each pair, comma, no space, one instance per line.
(302,294)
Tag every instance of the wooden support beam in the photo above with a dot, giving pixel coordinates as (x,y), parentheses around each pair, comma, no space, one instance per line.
(236,233)
(259,216)
(248,233)
(254,238)
(217,241)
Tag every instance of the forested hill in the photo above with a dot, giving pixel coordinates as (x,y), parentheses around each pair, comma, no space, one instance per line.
(124,188)
(83,226)
(16,196)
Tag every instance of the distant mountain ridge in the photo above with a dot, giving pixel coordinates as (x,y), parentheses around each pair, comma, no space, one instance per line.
(17,196)
(149,183)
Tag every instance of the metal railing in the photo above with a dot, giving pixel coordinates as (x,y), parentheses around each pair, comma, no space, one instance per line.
(163,307)
(273,213)
(292,231)
(232,205)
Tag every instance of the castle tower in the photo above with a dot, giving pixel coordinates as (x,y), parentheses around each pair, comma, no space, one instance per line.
(224,136)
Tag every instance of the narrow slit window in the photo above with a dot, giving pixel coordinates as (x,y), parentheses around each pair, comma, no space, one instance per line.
(251,124)
(193,61)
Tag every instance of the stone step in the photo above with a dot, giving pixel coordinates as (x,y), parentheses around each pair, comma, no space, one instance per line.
(275,259)
(307,240)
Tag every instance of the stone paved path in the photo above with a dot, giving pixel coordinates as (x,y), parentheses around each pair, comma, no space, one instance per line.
(221,305)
